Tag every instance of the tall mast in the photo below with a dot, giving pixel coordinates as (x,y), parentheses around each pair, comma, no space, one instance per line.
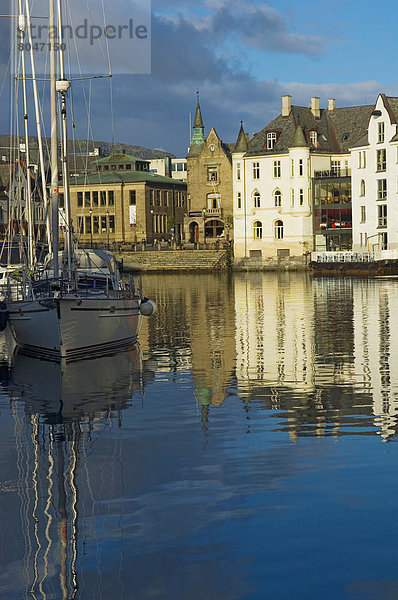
(54,140)
(62,87)
(28,199)
(38,127)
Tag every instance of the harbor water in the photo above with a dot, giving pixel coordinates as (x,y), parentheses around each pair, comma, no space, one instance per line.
(245,449)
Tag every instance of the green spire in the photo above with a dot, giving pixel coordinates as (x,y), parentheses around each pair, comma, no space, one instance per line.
(299,140)
(198,128)
(241,142)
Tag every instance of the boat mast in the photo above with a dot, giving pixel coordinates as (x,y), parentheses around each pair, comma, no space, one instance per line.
(28,199)
(54,140)
(38,127)
(62,87)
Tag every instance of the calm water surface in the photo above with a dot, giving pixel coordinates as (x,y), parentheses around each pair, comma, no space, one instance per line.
(245,450)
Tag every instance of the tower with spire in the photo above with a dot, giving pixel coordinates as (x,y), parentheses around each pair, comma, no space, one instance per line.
(209,174)
(198,137)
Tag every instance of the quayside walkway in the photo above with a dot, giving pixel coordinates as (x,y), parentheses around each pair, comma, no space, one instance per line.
(174,260)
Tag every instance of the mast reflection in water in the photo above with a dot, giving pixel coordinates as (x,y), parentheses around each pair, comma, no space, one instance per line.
(262,463)
(57,411)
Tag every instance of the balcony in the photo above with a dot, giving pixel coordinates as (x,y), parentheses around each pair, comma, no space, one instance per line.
(213,212)
(332,173)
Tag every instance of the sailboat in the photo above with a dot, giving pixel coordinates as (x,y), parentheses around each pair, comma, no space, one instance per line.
(70,310)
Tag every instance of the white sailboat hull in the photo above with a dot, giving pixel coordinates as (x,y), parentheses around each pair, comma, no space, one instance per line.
(74,327)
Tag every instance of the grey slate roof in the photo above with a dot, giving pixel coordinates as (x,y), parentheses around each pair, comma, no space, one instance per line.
(337,130)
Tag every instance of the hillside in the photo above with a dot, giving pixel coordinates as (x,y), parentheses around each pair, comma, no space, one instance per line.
(83,147)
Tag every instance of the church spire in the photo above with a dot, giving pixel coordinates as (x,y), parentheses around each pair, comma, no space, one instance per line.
(198,127)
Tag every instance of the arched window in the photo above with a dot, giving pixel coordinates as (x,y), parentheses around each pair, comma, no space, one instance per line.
(362,192)
(278,230)
(278,198)
(313,138)
(257,230)
(256,199)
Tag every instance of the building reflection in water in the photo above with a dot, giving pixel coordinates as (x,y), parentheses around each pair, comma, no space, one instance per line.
(56,410)
(314,348)
(194,330)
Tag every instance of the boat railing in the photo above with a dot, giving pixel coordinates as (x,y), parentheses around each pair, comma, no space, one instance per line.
(342,256)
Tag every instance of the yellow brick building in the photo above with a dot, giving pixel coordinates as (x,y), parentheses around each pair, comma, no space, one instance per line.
(209,177)
(121,201)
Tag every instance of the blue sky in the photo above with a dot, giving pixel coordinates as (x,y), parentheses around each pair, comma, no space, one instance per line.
(243,56)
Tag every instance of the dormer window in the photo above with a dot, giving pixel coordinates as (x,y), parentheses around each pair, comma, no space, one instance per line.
(344,137)
(313,138)
(271,140)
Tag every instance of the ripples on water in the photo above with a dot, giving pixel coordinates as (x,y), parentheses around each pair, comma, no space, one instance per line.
(245,450)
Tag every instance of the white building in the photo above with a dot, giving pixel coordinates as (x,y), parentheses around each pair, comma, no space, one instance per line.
(375,180)
(274,174)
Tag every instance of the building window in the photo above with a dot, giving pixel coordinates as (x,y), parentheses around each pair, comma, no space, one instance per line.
(256,170)
(80,198)
(61,200)
(381,160)
(271,140)
(103,224)
(382,215)
(88,224)
(80,224)
(257,230)
(292,198)
(151,197)
(256,199)
(212,174)
(383,241)
(158,199)
(381,189)
(363,214)
(239,200)
(87,199)
(111,198)
(362,190)
(103,198)
(313,138)
(335,167)
(96,224)
(165,200)
(301,197)
(95,198)
(380,133)
(301,167)
(238,171)
(292,167)
(278,198)
(277,168)
(278,230)
(132,197)
(111,223)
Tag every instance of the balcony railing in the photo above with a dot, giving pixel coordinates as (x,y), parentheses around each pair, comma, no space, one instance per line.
(332,173)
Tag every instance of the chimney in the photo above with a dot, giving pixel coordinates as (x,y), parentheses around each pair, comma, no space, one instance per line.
(286,105)
(314,106)
(331,104)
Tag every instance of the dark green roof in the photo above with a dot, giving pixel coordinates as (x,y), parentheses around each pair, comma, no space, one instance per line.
(124,177)
(118,159)
(299,140)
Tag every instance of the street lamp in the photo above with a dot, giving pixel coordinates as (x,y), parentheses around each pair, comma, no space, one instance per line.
(91,226)
(107,226)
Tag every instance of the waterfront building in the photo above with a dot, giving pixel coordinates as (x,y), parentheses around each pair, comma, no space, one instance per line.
(375,180)
(291,181)
(209,176)
(176,168)
(121,201)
